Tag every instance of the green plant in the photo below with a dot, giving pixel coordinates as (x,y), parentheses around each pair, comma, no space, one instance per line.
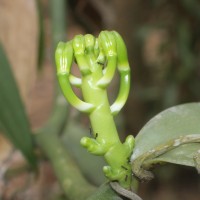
(91,55)
(170,137)
(13,119)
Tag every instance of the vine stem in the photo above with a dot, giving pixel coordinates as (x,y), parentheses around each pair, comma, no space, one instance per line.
(67,172)
(72,182)
(74,185)
(126,193)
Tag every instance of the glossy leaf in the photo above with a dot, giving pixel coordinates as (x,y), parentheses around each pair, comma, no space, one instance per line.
(13,119)
(166,127)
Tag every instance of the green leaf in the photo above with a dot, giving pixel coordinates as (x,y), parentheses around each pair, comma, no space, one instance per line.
(13,119)
(105,192)
(160,139)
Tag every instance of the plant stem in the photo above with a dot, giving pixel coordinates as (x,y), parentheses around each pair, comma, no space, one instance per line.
(58,18)
(73,184)
(101,118)
(66,170)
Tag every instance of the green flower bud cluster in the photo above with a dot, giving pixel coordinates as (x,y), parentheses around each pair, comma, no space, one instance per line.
(98,59)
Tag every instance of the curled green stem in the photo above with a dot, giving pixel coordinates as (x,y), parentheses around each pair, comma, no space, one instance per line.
(98,59)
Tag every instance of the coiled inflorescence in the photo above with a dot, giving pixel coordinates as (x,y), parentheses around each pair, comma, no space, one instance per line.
(98,59)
